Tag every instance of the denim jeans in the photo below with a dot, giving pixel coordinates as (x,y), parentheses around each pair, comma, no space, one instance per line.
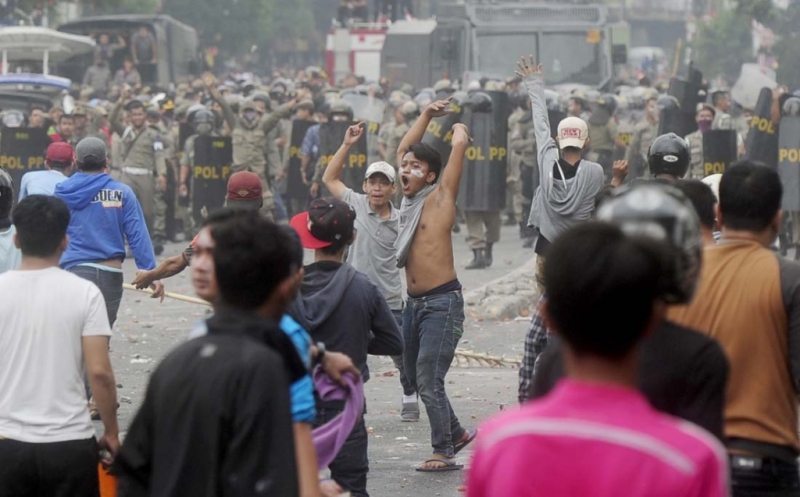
(432,327)
(280,207)
(350,467)
(408,388)
(774,478)
(110,285)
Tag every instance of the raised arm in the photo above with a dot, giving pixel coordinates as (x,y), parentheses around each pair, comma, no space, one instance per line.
(333,173)
(282,112)
(113,119)
(451,176)
(532,76)
(227,112)
(415,134)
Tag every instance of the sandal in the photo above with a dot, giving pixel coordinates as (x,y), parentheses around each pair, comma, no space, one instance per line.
(458,447)
(448,466)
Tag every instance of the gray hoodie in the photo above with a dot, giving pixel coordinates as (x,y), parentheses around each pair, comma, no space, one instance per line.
(557,203)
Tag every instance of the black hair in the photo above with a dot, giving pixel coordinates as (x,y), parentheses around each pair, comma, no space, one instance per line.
(41,222)
(702,198)
(574,150)
(596,274)
(427,154)
(59,165)
(91,165)
(252,256)
(335,248)
(645,81)
(134,104)
(749,196)
(65,116)
(295,246)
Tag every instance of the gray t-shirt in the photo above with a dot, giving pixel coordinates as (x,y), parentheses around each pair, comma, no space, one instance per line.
(373,251)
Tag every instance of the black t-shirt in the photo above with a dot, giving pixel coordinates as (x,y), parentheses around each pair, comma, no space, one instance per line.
(216,417)
(681,372)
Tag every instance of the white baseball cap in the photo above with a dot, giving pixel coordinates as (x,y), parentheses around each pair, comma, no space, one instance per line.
(381,167)
(572,132)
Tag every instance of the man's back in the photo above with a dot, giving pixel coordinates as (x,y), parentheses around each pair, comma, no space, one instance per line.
(742,301)
(595,440)
(215,421)
(44,315)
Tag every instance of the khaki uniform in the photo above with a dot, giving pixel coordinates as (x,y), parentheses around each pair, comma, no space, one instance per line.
(602,138)
(695,141)
(514,193)
(483,227)
(396,135)
(252,144)
(142,160)
(722,121)
(384,139)
(643,136)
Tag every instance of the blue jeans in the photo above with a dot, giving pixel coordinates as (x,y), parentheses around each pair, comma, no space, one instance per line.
(350,466)
(110,285)
(279,209)
(432,327)
(408,388)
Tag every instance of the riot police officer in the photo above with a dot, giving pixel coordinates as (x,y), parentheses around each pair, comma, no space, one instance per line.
(704,119)
(603,133)
(523,142)
(643,135)
(203,122)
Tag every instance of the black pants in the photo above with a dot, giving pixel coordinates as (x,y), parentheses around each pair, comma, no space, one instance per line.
(764,477)
(58,469)
(350,467)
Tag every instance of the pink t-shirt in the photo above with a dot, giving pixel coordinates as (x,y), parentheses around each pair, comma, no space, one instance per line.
(595,440)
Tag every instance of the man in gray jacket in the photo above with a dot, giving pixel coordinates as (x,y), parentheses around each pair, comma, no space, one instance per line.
(568,184)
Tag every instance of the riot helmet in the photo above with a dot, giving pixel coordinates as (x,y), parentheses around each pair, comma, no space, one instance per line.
(6,194)
(552,100)
(667,103)
(203,121)
(263,98)
(669,154)
(791,107)
(479,102)
(13,118)
(340,108)
(410,110)
(425,97)
(608,102)
(397,98)
(444,86)
(663,213)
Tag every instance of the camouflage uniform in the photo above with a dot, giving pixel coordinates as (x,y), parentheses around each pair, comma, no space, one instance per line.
(602,138)
(253,143)
(142,160)
(396,135)
(695,141)
(643,135)
(514,206)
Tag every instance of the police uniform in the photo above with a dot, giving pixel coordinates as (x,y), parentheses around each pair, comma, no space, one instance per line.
(695,141)
(643,135)
(384,139)
(722,120)
(514,169)
(396,135)
(602,138)
(523,143)
(141,161)
(250,146)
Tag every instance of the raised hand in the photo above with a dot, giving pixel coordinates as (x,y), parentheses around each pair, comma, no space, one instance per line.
(461,135)
(353,134)
(439,108)
(528,67)
(619,172)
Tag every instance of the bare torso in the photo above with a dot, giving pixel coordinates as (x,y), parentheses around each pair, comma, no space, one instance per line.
(430,258)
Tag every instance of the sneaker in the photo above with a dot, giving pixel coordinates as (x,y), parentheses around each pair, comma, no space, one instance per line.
(410,412)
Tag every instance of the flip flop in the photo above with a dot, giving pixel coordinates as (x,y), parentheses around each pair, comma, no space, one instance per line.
(460,445)
(448,466)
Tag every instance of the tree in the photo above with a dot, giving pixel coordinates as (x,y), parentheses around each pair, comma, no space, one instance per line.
(723,45)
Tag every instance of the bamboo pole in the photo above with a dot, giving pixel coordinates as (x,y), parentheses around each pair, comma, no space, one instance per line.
(176,296)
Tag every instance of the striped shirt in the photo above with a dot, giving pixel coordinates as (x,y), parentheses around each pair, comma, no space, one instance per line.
(598,440)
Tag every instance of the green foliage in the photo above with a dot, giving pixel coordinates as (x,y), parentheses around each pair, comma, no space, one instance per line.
(723,45)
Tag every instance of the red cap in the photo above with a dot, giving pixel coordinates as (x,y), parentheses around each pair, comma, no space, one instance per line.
(328,221)
(60,152)
(244,186)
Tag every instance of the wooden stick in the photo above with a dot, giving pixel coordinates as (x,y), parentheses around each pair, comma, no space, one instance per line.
(470,356)
(176,296)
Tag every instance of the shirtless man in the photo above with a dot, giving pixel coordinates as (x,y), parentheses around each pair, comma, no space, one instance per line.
(433,321)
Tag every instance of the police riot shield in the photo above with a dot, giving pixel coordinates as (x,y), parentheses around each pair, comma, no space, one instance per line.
(789,162)
(213,156)
(295,187)
(762,139)
(688,95)
(185,130)
(483,181)
(22,150)
(439,133)
(719,150)
(371,111)
(331,135)
(372,131)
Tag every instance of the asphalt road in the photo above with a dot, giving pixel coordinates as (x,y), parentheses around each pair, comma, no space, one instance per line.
(146,330)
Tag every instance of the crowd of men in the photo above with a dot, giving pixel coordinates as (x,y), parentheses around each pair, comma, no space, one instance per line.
(662,356)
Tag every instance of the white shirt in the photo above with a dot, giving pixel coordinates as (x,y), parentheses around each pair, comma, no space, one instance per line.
(43,316)
(10,256)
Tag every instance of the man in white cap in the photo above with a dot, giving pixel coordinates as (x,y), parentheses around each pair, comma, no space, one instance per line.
(373,252)
(568,184)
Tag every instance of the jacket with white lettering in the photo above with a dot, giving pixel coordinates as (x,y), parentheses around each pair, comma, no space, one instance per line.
(103,214)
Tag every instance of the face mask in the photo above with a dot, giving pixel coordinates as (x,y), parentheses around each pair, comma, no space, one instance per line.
(250,115)
(704,124)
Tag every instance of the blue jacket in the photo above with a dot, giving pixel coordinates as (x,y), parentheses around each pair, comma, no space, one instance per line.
(104,213)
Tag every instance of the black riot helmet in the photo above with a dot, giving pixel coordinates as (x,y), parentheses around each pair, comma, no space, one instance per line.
(609,103)
(661,212)
(6,194)
(791,107)
(479,102)
(669,154)
(203,121)
(552,100)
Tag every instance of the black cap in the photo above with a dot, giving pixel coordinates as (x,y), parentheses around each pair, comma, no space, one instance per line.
(328,221)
